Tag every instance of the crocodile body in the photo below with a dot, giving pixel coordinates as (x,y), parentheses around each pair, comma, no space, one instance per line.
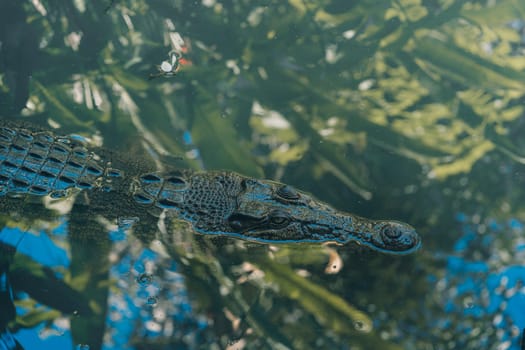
(39,163)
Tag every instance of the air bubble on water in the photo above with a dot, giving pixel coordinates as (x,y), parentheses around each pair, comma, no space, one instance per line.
(362,326)
(82,347)
(151,301)
(145,279)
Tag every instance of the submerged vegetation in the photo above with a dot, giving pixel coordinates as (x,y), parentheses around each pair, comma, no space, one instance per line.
(406,109)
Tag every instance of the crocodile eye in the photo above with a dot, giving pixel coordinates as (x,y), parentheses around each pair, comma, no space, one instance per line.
(279,219)
(287,192)
(236,225)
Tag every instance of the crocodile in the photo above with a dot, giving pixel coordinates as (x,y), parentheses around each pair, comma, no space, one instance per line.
(37,163)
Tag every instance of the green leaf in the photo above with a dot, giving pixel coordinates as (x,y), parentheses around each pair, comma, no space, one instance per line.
(466,68)
(220,145)
(37,316)
(329,309)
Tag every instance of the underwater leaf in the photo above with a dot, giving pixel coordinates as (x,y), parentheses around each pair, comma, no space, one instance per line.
(36,316)
(295,255)
(331,157)
(358,120)
(495,13)
(505,144)
(205,266)
(219,142)
(128,80)
(329,309)
(57,107)
(462,164)
(466,68)
(511,114)
(42,285)
(90,247)
(327,165)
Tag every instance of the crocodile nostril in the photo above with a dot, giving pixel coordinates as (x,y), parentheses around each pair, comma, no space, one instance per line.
(391,232)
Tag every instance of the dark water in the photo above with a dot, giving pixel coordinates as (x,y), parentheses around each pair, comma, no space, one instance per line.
(405,110)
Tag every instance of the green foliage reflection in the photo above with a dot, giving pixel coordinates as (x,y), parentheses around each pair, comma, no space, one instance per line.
(375,106)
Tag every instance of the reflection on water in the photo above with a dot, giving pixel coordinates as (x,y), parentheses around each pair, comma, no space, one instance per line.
(147,297)
(401,109)
(482,289)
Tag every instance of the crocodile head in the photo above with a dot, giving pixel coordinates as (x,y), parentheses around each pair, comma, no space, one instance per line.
(266,211)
